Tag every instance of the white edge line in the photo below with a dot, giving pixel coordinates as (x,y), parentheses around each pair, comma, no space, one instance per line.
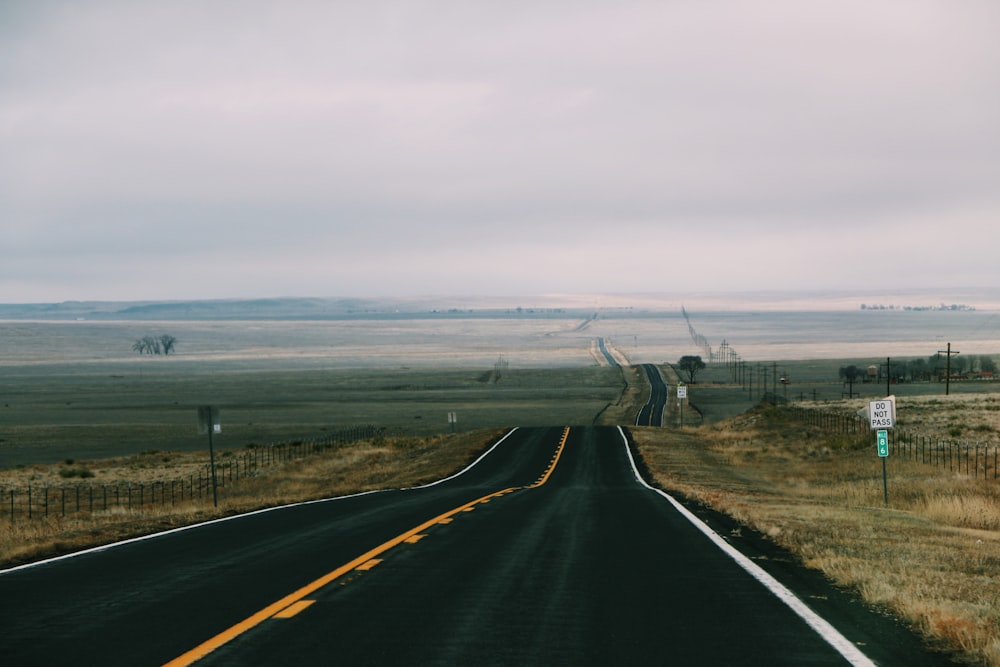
(823,627)
(142,538)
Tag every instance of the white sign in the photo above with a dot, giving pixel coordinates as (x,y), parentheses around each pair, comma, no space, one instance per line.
(682,391)
(882,414)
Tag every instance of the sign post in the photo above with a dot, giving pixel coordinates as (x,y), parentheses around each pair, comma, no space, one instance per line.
(682,392)
(452,419)
(209,422)
(882,415)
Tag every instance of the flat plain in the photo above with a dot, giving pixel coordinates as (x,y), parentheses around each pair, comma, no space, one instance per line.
(73,396)
(77,390)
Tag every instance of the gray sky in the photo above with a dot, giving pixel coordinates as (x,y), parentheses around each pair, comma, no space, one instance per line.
(204,149)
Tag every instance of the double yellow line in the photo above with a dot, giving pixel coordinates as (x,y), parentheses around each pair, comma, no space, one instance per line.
(295,602)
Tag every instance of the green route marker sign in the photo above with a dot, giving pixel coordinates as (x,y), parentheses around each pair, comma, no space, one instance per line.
(882,442)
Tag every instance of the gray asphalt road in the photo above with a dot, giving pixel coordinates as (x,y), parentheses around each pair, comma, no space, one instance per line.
(546,552)
(651,414)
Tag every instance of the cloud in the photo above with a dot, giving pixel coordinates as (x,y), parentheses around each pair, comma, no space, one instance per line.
(425,132)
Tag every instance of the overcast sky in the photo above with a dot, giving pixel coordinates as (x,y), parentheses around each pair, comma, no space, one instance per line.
(214,148)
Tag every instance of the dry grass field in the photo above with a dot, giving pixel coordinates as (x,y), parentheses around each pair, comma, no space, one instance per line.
(79,411)
(931,557)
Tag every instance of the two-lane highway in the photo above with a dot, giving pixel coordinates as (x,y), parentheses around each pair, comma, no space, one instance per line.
(547,551)
(651,414)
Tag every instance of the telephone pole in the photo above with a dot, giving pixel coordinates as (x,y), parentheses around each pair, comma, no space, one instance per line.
(888,376)
(947,368)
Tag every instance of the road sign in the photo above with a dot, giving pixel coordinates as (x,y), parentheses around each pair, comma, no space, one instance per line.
(882,442)
(682,391)
(208,419)
(882,414)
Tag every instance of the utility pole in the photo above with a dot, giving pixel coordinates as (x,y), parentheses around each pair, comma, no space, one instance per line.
(947,368)
(888,377)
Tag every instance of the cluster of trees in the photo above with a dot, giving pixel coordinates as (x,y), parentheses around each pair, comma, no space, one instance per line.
(952,307)
(155,344)
(916,370)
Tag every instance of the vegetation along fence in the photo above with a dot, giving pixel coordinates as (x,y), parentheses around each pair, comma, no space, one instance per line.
(978,460)
(41,501)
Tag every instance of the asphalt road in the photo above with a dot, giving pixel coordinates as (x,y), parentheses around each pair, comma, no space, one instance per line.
(546,552)
(651,414)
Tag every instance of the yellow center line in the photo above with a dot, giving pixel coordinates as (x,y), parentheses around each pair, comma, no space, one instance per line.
(285,604)
(294,609)
(555,459)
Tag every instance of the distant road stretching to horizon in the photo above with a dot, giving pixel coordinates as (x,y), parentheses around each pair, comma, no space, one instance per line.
(547,551)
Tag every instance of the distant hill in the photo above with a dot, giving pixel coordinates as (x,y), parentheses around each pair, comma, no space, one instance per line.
(554,305)
(276,309)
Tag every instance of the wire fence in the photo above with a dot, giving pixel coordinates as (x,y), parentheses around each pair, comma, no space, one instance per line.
(27,502)
(977,460)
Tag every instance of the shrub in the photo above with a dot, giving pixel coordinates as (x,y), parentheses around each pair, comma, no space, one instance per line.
(76,472)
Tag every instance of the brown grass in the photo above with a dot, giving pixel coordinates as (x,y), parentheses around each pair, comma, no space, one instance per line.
(932,556)
(356,467)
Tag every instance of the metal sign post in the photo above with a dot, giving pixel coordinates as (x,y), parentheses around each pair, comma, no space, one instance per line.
(208,422)
(882,415)
(882,443)
(682,392)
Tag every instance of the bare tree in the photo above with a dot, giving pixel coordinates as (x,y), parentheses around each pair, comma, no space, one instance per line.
(168,343)
(155,345)
(691,365)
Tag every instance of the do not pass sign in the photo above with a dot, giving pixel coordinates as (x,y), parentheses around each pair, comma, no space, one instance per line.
(882,414)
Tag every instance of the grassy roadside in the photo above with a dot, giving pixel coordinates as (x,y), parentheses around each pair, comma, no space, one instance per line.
(931,557)
(352,468)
